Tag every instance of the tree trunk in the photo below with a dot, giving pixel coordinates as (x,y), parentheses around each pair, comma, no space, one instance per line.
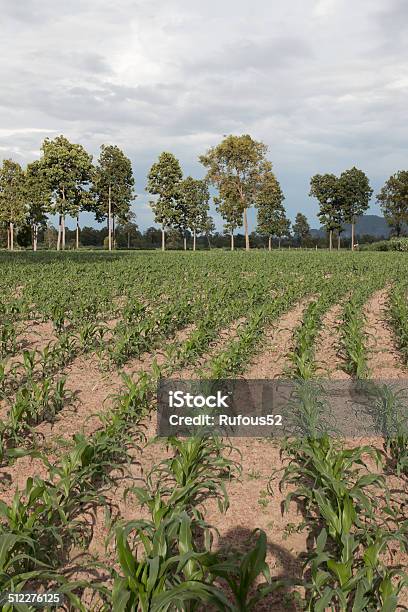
(63,232)
(113,231)
(352,234)
(246,230)
(330,240)
(338,241)
(35,237)
(109,218)
(8,238)
(209,243)
(77,232)
(163,238)
(128,240)
(194,240)
(59,232)
(279,242)
(232,241)
(11,236)
(270,243)
(185,242)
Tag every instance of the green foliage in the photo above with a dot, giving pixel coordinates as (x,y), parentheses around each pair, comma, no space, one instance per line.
(301,228)
(395,244)
(164,181)
(12,203)
(112,177)
(355,193)
(236,167)
(194,198)
(272,219)
(393,198)
(326,188)
(37,193)
(67,168)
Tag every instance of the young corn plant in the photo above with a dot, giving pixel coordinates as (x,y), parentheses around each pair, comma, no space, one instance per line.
(353,339)
(8,338)
(36,402)
(388,407)
(302,356)
(398,312)
(198,470)
(172,566)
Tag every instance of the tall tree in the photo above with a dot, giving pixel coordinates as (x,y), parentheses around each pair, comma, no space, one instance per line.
(194,202)
(271,211)
(326,189)
(393,199)
(67,168)
(301,228)
(38,199)
(112,188)
(231,212)
(208,228)
(163,181)
(129,227)
(355,194)
(12,203)
(236,167)
(282,229)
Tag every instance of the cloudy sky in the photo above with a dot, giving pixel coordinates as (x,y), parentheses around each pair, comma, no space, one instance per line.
(324,83)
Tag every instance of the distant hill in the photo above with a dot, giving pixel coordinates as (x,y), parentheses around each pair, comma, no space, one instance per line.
(366,224)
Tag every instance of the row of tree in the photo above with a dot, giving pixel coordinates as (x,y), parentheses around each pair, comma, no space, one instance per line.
(64,181)
(342,199)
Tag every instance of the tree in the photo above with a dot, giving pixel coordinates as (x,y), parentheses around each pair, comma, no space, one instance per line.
(24,235)
(113,188)
(271,212)
(393,199)
(129,229)
(37,195)
(164,181)
(231,212)
(301,228)
(282,229)
(67,168)
(208,228)
(326,189)
(194,198)
(12,205)
(236,167)
(355,194)
(153,236)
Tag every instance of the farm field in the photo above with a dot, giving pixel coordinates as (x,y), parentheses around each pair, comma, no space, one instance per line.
(94,507)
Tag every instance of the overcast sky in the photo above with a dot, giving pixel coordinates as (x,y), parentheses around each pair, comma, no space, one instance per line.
(324,83)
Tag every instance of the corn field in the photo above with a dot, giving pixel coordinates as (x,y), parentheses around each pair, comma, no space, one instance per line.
(94,506)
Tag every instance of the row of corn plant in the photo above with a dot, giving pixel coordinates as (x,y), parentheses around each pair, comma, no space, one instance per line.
(33,403)
(51,513)
(167,562)
(387,406)
(338,497)
(392,404)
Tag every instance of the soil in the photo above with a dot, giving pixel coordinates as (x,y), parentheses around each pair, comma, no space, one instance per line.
(327,358)
(200,367)
(384,361)
(272,361)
